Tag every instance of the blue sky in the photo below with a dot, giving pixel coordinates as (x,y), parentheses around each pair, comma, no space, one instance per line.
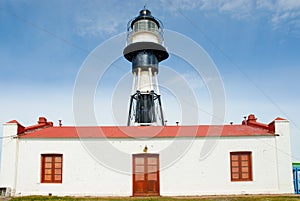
(254,45)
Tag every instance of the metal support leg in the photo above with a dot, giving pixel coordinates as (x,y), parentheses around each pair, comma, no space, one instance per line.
(161,111)
(130,108)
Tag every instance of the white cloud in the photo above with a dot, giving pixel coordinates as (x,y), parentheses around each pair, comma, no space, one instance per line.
(99,18)
(265,4)
(278,13)
(181,4)
(102,23)
(283,12)
(289,4)
(236,8)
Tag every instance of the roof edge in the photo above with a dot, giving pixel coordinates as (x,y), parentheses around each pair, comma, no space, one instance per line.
(20,127)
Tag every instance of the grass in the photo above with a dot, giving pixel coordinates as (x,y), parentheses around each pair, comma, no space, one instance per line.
(206,198)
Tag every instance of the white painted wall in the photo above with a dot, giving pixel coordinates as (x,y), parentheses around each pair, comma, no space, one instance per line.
(284,161)
(8,176)
(212,175)
(84,175)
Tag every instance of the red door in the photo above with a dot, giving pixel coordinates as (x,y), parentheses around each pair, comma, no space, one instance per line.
(145,175)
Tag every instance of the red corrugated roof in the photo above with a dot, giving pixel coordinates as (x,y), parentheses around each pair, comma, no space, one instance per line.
(146,131)
(13,122)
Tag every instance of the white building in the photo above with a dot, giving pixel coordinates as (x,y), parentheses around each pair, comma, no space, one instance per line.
(251,158)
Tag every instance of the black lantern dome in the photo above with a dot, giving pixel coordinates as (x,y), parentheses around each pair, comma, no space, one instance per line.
(145,14)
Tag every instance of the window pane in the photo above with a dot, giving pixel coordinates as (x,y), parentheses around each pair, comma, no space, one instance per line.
(47,177)
(152,168)
(48,165)
(145,25)
(235,175)
(235,163)
(139,168)
(139,177)
(234,157)
(57,165)
(245,163)
(245,169)
(152,26)
(57,171)
(48,159)
(245,175)
(57,177)
(48,171)
(152,161)
(139,161)
(235,169)
(58,159)
(152,176)
(142,25)
(244,157)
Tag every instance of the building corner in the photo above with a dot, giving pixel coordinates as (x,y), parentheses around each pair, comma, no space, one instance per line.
(284,158)
(9,159)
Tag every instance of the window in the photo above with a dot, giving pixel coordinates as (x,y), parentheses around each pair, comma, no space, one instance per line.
(51,168)
(241,166)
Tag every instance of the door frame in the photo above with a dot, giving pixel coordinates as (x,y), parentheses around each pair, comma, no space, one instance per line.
(144,155)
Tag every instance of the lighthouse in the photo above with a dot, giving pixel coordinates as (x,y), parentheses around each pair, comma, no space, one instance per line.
(145,50)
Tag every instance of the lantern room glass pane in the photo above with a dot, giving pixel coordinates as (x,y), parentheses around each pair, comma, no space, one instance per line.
(145,25)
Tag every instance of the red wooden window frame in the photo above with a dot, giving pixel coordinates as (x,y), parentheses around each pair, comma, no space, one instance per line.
(51,168)
(241,166)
